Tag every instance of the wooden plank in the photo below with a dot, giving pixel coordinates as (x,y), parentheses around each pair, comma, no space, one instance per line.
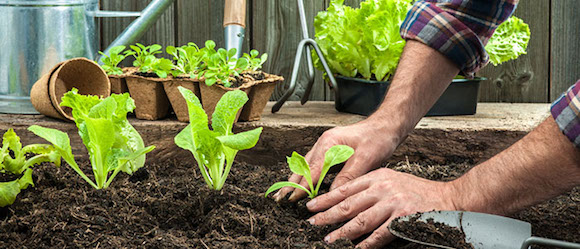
(162,32)
(525,79)
(277,31)
(201,20)
(565,48)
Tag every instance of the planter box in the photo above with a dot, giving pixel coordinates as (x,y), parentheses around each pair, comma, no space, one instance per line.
(177,101)
(258,91)
(150,98)
(363,97)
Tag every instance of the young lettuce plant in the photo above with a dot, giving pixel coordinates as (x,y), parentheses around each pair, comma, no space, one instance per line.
(147,62)
(112,142)
(112,60)
(18,160)
(187,59)
(255,63)
(215,150)
(219,66)
(335,155)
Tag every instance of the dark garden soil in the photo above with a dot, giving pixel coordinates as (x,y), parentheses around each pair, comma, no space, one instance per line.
(431,232)
(168,206)
(147,75)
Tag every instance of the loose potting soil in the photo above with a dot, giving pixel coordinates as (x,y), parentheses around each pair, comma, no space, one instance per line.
(431,232)
(169,206)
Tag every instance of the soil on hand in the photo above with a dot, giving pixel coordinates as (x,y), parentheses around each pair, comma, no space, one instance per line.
(431,232)
(169,206)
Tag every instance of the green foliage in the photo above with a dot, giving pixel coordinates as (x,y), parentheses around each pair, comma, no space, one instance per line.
(509,41)
(335,155)
(18,160)
(112,60)
(112,142)
(147,62)
(363,41)
(215,150)
(187,59)
(255,63)
(221,65)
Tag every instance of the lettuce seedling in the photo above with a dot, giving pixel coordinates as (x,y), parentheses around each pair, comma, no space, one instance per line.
(112,142)
(147,62)
(219,66)
(255,63)
(335,155)
(18,160)
(509,41)
(215,150)
(187,59)
(112,60)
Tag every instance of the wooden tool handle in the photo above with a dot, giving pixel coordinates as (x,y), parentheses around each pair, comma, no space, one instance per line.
(235,12)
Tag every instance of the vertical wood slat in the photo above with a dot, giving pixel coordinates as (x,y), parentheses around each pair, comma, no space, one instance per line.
(277,31)
(162,32)
(201,20)
(524,79)
(565,46)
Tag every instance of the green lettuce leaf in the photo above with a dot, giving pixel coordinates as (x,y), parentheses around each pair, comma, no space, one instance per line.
(215,150)
(361,42)
(509,41)
(9,190)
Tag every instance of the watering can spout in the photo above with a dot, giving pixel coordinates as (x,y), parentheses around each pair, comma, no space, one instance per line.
(137,28)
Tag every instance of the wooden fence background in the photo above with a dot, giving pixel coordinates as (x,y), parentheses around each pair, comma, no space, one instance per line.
(550,67)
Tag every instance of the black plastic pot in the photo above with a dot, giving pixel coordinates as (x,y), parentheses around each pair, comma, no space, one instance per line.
(360,96)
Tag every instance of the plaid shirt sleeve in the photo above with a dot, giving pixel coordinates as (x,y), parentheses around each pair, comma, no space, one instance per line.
(566,112)
(459,29)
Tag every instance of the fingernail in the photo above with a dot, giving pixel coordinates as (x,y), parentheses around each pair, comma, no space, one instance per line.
(311,204)
(311,221)
(327,239)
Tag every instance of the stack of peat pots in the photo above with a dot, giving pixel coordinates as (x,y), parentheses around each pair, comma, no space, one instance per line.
(81,73)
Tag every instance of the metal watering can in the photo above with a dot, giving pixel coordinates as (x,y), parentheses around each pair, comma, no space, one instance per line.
(38,34)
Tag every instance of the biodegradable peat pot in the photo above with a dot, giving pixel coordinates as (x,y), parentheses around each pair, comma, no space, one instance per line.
(40,98)
(150,98)
(81,73)
(363,97)
(210,95)
(119,82)
(258,91)
(177,101)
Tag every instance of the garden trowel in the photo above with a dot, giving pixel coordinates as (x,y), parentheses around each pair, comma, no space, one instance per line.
(484,230)
(234,24)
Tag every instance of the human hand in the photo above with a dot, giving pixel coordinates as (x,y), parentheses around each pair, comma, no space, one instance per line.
(372,146)
(372,201)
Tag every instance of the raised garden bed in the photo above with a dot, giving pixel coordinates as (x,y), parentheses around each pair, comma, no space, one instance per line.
(167,205)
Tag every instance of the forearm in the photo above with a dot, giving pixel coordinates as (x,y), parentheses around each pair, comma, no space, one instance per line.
(422,76)
(540,166)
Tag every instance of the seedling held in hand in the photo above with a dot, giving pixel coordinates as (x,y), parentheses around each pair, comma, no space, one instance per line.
(335,155)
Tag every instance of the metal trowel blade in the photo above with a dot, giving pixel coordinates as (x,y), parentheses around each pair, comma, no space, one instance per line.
(483,231)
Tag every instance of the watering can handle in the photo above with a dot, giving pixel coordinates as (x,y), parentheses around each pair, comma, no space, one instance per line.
(137,28)
(548,242)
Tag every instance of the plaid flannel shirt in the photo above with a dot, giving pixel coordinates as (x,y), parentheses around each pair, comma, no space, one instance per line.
(459,29)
